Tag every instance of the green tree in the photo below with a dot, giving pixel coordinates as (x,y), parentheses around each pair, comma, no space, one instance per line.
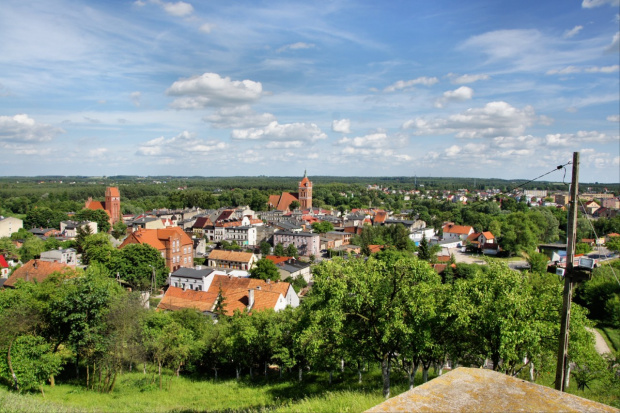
(119,230)
(294,205)
(582,248)
(424,250)
(538,262)
(291,251)
(279,250)
(136,263)
(613,244)
(265,269)
(265,248)
(322,227)
(98,248)
(44,218)
(31,248)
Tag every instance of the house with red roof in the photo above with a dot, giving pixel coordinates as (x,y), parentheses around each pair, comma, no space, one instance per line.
(237,293)
(484,242)
(175,246)
(36,271)
(4,267)
(452,232)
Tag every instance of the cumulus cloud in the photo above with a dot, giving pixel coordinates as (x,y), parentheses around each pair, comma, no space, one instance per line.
(613,118)
(307,132)
(284,145)
(458,95)
(207,28)
(569,70)
(406,84)
(614,47)
(572,32)
(465,79)
(341,125)
(178,9)
(373,140)
(590,4)
(185,145)
(493,120)
(210,89)
(22,128)
(135,98)
(296,46)
(239,117)
(581,137)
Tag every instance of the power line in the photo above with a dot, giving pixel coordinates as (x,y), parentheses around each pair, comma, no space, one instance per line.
(545,174)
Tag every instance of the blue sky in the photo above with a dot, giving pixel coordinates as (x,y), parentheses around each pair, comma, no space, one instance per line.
(481,88)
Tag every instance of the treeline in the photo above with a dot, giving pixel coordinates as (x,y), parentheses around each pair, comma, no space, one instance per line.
(391,309)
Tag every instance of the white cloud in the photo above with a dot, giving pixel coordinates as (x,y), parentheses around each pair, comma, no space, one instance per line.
(464,79)
(570,139)
(406,84)
(207,27)
(135,98)
(178,9)
(20,128)
(209,89)
(239,117)
(614,47)
(569,70)
(589,4)
(458,95)
(572,32)
(374,140)
(296,46)
(185,146)
(284,145)
(613,118)
(493,120)
(341,125)
(275,131)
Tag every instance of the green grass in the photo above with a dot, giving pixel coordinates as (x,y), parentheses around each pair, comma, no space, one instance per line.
(612,336)
(136,392)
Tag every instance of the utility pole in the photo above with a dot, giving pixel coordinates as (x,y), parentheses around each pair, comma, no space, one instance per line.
(562,367)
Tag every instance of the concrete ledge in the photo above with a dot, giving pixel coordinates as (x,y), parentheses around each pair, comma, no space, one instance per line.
(482,390)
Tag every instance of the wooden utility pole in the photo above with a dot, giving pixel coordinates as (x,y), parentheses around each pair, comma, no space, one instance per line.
(562,368)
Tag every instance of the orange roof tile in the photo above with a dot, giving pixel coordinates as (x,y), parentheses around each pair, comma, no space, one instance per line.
(488,235)
(277,259)
(35,270)
(234,256)
(144,236)
(457,229)
(178,299)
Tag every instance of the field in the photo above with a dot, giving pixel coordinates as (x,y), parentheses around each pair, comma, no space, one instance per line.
(136,392)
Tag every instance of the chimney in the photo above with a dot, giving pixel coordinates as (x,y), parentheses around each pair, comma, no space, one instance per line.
(250,299)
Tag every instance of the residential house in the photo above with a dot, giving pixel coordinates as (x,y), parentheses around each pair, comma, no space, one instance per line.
(611,203)
(483,242)
(290,267)
(238,294)
(199,227)
(69,229)
(45,232)
(146,222)
(10,225)
(35,271)
(175,246)
(66,256)
(4,267)
(590,207)
(562,199)
(231,259)
(307,243)
(452,232)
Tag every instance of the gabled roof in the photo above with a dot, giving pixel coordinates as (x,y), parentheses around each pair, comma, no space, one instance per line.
(234,256)
(457,229)
(178,299)
(94,205)
(277,259)
(3,263)
(283,202)
(144,236)
(35,270)
(488,235)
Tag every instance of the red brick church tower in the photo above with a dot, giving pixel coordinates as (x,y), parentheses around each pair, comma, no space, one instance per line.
(113,204)
(305,192)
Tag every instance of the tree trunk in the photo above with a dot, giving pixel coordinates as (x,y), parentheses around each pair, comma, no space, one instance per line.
(88,376)
(178,370)
(385,372)
(531,371)
(265,369)
(331,374)
(160,383)
(342,365)
(215,370)
(567,376)
(413,369)
(42,393)
(112,384)
(425,368)
(52,381)
(359,376)
(238,372)
(251,372)
(300,373)
(144,368)
(8,359)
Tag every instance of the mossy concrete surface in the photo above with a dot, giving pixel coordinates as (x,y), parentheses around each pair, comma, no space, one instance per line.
(482,390)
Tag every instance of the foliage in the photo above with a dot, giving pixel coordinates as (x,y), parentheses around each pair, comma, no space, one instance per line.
(322,227)
(99,216)
(31,248)
(136,264)
(538,262)
(613,244)
(278,250)
(265,248)
(298,283)
(601,296)
(291,251)
(582,248)
(44,218)
(396,236)
(119,230)
(265,269)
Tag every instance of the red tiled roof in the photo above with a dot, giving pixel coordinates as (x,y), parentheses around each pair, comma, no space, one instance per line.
(202,222)
(375,248)
(35,270)
(283,202)
(3,263)
(234,256)
(94,205)
(177,299)
(380,217)
(457,229)
(113,191)
(277,259)
(154,237)
(488,235)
